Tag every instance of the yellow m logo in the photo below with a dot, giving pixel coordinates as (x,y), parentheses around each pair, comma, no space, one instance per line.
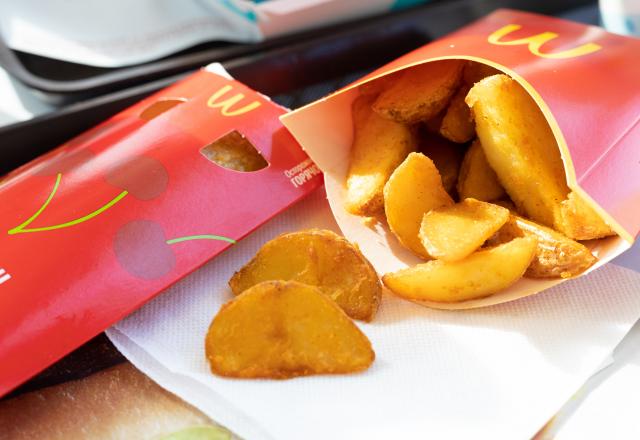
(535,42)
(225,105)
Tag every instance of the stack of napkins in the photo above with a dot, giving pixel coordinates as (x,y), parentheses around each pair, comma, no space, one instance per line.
(500,372)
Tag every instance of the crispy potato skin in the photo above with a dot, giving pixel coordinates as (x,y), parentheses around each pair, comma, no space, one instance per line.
(420,92)
(445,155)
(476,178)
(452,233)
(556,256)
(457,124)
(284,329)
(481,274)
(379,146)
(520,147)
(414,188)
(579,221)
(235,152)
(320,258)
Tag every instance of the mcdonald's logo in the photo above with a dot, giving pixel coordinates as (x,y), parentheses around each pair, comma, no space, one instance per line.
(536,42)
(225,105)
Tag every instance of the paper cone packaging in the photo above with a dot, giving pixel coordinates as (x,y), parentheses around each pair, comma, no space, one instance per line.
(97,227)
(586,84)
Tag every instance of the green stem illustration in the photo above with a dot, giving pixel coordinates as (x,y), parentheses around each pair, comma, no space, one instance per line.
(22,228)
(201,237)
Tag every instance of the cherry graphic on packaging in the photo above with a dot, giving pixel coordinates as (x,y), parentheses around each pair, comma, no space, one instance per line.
(65,162)
(141,248)
(143,177)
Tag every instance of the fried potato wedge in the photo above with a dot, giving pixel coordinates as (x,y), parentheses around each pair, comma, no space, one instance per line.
(454,232)
(379,146)
(284,329)
(414,188)
(320,258)
(457,124)
(233,151)
(481,274)
(474,72)
(445,155)
(420,92)
(579,221)
(476,178)
(520,147)
(556,256)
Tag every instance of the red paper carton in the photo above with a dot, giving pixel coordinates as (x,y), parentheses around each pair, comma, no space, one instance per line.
(97,227)
(587,85)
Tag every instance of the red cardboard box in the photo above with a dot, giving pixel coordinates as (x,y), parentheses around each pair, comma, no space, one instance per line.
(97,227)
(585,81)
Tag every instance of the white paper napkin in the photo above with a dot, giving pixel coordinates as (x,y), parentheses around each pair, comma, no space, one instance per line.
(499,372)
(606,406)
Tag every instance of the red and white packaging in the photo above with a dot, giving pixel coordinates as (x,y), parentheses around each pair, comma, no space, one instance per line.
(97,227)
(583,79)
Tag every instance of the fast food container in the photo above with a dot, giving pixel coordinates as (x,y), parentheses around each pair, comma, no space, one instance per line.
(95,228)
(587,87)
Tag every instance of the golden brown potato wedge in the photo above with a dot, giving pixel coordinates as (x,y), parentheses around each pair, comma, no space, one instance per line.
(414,188)
(420,92)
(556,257)
(446,156)
(454,232)
(457,124)
(320,258)
(481,274)
(474,72)
(579,221)
(284,329)
(235,152)
(520,147)
(379,146)
(476,178)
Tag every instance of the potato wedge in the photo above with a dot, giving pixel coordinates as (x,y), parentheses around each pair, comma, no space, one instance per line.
(445,155)
(320,258)
(379,146)
(420,92)
(481,274)
(474,72)
(454,232)
(579,221)
(556,256)
(234,151)
(414,188)
(457,124)
(520,147)
(476,178)
(284,329)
